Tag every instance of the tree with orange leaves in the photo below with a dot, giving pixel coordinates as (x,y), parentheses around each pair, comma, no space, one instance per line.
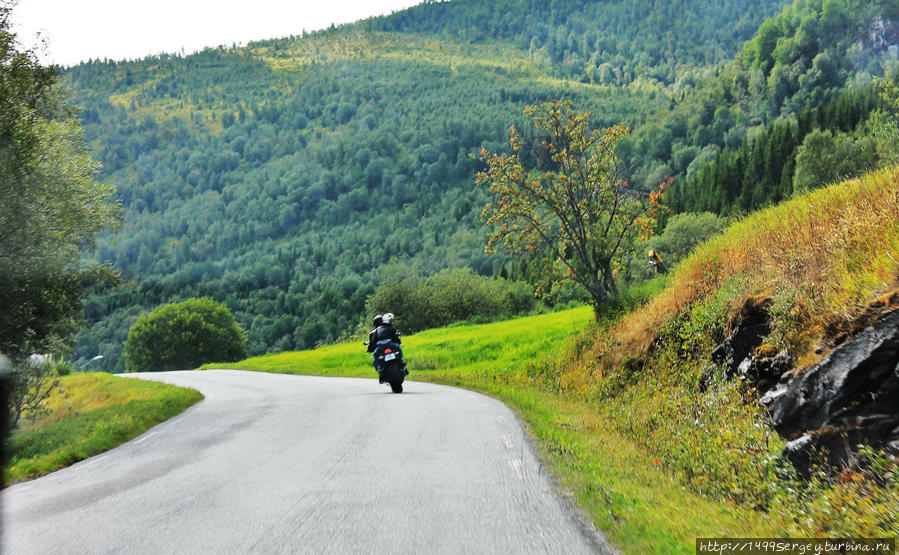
(570,208)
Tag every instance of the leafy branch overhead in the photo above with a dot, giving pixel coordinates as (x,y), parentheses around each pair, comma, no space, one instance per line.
(50,206)
(564,202)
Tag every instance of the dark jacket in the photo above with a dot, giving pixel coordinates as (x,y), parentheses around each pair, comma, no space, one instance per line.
(371,341)
(379,333)
(386,332)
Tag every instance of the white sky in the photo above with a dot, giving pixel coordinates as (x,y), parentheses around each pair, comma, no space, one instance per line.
(78,30)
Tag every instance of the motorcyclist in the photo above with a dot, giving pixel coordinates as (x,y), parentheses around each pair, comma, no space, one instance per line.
(384,332)
(387,330)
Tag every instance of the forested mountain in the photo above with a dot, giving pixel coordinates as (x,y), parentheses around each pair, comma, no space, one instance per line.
(810,68)
(281,177)
(613,42)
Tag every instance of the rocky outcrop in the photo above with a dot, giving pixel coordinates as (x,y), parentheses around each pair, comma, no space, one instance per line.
(850,398)
(750,328)
(736,355)
(878,38)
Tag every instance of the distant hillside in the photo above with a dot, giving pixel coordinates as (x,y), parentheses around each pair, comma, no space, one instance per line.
(279,177)
(810,68)
(610,42)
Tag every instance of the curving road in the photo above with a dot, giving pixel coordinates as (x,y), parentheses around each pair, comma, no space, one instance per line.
(271,463)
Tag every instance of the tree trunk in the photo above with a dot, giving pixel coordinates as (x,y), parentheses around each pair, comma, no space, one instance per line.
(604,290)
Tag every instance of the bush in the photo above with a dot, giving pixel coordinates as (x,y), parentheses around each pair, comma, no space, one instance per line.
(449,296)
(682,234)
(31,382)
(184,335)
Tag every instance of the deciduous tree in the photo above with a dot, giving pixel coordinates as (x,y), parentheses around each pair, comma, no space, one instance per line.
(885,122)
(564,200)
(50,206)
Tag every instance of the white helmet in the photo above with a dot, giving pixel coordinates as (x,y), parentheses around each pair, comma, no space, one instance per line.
(388,319)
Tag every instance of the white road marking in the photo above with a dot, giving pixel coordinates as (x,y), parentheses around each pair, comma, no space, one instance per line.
(146,437)
(96,460)
(516,467)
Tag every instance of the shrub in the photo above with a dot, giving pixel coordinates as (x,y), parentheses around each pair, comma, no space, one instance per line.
(449,296)
(184,335)
(682,234)
(31,382)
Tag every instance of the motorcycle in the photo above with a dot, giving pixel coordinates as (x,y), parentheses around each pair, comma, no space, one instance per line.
(389,363)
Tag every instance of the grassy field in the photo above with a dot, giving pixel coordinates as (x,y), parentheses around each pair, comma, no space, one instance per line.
(499,349)
(90,413)
(640,506)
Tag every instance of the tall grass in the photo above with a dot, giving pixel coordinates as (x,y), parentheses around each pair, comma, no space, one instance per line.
(822,255)
(820,259)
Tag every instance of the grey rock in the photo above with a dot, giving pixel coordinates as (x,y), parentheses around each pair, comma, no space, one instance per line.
(799,451)
(849,398)
(745,367)
(772,395)
(750,330)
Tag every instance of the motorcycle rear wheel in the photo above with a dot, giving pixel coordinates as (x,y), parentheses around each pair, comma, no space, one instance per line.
(397,387)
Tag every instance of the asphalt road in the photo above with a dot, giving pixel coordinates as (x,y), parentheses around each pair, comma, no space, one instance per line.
(271,463)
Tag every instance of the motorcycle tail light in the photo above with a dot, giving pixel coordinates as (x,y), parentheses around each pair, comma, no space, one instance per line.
(387,351)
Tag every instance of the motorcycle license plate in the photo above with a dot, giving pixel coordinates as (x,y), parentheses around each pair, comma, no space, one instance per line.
(390,356)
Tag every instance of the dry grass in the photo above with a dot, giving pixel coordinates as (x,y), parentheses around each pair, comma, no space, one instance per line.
(825,254)
(824,264)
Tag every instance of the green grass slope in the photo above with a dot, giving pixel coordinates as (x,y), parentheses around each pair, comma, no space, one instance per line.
(500,348)
(88,414)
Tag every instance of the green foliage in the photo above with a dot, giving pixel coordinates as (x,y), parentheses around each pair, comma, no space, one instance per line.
(809,67)
(278,178)
(184,335)
(449,296)
(52,206)
(860,501)
(762,170)
(885,123)
(682,234)
(288,214)
(824,158)
(563,200)
(585,40)
(90,413)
